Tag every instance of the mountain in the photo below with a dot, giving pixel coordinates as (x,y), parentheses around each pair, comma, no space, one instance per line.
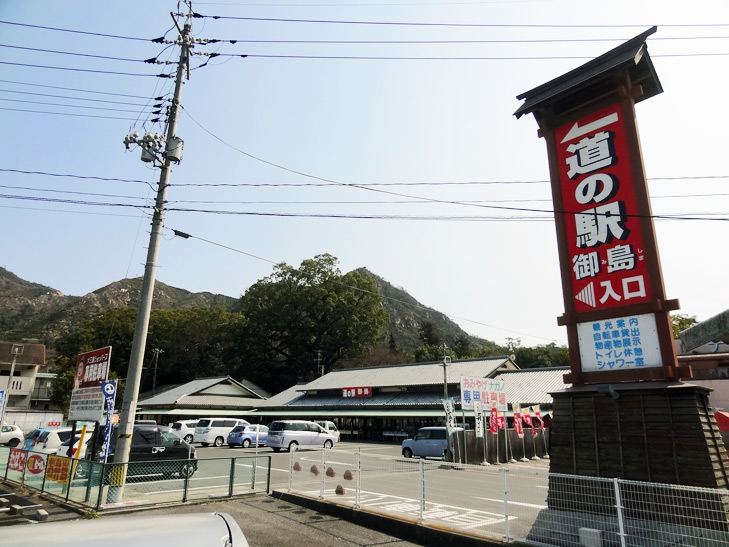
(33,311)
(407,315)
(30,310)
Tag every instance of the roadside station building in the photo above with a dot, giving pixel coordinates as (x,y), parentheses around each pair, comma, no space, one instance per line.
(390,403)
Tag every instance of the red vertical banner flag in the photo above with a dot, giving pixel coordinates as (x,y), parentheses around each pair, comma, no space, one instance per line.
(518,426)
(500,420)
(538,415)
(528,421)
(493,418)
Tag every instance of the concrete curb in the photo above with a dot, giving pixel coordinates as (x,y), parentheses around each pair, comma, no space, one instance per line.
(406,529)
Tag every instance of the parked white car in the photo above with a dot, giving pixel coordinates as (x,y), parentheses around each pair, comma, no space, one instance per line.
(11,435)
(292,434)
(51,439)
(185,429)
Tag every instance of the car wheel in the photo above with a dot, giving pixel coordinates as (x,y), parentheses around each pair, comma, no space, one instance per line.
(407,452)
(205,444)
(328,443)
(293,445)
(246,443)
(186,471)
(219,441)
(13,443)
(188,439)
(275,448)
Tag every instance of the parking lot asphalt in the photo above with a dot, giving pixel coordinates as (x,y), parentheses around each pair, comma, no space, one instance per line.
(265,520)
(274,520)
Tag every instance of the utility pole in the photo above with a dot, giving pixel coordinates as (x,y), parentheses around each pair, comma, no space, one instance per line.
(172,152)
(156,352)
(17,349)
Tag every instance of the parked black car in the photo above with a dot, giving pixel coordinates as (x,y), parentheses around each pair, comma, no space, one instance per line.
(155,451)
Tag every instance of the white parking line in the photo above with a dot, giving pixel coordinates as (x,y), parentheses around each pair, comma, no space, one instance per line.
(501,501)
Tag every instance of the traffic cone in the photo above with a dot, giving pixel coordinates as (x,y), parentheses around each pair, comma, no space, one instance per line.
(297,466)
(314,469)
(348,476)
(339,490)
(331,472)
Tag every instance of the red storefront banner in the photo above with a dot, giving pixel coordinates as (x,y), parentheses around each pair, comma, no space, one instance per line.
(16,459)
(364,391)
(601,216)
(92,368)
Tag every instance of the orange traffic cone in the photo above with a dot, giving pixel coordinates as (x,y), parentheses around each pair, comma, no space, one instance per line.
(331,472)
(314,469)
(348,476)
(339,490)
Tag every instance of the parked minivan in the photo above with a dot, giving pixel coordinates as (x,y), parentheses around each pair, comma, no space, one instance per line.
(215,430)
(184,429)
(429,442)
(294,433)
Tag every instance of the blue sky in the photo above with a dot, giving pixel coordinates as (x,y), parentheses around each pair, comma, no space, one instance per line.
(411,134)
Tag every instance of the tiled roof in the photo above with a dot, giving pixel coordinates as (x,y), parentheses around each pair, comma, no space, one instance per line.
(185,394)
(417,374)
(533,386)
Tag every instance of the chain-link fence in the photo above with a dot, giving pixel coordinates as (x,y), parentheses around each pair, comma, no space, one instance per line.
(103,486)
(532,506)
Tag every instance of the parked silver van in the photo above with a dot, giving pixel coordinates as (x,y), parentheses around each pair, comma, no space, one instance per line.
(215,430)
(292,434)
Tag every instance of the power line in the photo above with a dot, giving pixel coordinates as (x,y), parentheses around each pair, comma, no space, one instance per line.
(69,105)
(110,72)
(420,42)
(76,54)
(393,58)
(66,114)
(76,89)
(75,31)
(422,24)
(68,97)
(547,212)
(363,187)
(308,184)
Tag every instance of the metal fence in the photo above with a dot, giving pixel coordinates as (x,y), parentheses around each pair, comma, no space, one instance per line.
(98,485)
(531,506)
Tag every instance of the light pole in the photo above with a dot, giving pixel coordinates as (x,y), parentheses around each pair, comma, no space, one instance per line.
(446,362)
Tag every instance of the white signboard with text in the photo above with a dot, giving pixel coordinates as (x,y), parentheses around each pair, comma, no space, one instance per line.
(619,343)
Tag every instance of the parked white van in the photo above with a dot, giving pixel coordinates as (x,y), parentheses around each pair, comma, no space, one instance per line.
(215,430)
(329,426)
(292,434)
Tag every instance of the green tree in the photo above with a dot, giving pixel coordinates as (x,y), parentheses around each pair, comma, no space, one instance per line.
(680,322)
(429,335)
(462,346)
(300,318)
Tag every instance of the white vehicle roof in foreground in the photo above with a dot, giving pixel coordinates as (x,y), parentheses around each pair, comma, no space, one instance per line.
(199,529)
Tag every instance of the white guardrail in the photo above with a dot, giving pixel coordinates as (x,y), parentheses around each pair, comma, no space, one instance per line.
(512,504)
